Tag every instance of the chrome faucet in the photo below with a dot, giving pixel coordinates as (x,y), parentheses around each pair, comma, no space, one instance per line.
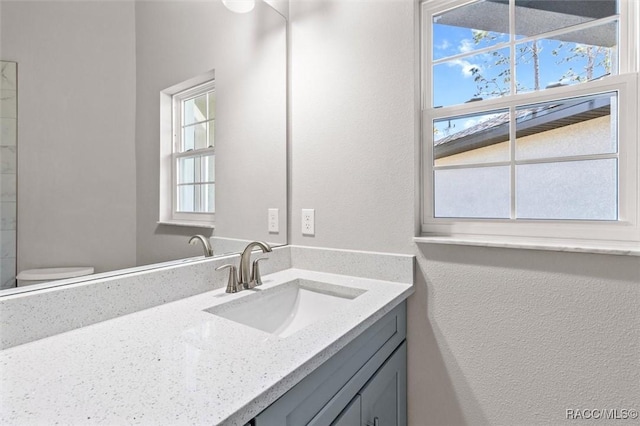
(208,251)
(246,278)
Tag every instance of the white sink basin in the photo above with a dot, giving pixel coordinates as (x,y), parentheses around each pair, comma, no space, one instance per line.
(287,308)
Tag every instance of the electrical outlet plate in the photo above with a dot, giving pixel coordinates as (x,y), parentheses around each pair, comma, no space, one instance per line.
(308,222)
(273,220)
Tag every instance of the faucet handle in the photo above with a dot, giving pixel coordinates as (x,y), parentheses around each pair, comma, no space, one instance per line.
(232,284)
(255,275)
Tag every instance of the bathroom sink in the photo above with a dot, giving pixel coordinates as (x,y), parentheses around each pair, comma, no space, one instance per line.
(287,308)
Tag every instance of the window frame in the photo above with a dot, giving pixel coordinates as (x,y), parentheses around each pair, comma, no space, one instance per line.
(627,228)
(171,100)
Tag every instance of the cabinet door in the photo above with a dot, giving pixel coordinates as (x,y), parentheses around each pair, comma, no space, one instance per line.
(384,397)
(320,397)
(350,416)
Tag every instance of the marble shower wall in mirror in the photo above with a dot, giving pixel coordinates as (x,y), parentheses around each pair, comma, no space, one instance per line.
(8,139)
(91,74)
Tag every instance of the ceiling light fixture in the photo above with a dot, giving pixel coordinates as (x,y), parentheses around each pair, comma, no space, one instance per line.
(239,6)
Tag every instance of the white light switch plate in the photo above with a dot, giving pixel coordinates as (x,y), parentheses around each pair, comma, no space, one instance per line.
(308,222)
(273,220)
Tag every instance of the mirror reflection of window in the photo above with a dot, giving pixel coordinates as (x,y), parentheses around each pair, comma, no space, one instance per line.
(194,150)
(8,149)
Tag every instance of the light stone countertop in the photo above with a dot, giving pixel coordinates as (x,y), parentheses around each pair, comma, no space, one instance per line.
(549,244)
(176,364)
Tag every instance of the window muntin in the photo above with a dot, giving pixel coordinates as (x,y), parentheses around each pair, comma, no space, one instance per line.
(194,153)
(614,164)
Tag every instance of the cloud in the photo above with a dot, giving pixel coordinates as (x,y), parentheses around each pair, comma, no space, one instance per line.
(466,45)
(565,80)
(479,119)
(465,66)
(445,44)
(470,123)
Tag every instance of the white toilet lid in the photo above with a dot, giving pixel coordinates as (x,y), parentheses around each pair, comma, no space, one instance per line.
(54,273)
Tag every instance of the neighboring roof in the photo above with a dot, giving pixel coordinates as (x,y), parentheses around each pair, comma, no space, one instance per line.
(529,121)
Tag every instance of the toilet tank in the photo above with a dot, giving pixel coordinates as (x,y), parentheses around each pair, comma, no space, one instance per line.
(42,275)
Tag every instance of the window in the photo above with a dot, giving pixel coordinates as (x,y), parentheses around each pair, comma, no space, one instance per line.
(188,153)
(194,152)
(530,122)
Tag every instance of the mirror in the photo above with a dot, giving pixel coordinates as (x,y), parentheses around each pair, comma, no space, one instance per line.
(91,77)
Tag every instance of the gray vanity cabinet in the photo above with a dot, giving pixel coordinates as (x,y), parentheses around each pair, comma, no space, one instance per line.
(384,397)
(352,415)
(382,401)
(365,383)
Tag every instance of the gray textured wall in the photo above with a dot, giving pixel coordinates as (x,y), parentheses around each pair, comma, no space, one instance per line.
(496,336)
(76,164)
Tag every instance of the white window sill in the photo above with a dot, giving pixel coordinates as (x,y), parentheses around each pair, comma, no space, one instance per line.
(186,224)
(601,247)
